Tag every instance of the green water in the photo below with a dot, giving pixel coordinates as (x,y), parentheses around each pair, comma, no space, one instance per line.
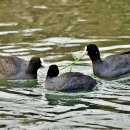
(52,29)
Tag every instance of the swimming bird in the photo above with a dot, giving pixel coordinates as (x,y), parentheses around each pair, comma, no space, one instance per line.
(112,66)
(12,67)
(68,81)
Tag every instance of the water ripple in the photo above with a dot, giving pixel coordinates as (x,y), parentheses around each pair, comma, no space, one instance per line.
(67,40)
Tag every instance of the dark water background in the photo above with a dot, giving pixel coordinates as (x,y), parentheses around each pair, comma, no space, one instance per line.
(52,29)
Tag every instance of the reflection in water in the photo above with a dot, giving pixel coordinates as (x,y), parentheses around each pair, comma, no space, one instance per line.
(52,30)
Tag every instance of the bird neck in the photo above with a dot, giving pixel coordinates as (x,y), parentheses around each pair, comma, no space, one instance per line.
(52,74)
(98,60)
(32,71)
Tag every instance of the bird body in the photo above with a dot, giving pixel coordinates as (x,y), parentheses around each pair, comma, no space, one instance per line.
(16,68)
(112,66)
(69,81)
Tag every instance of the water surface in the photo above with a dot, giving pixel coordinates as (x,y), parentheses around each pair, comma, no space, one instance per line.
(54,30)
